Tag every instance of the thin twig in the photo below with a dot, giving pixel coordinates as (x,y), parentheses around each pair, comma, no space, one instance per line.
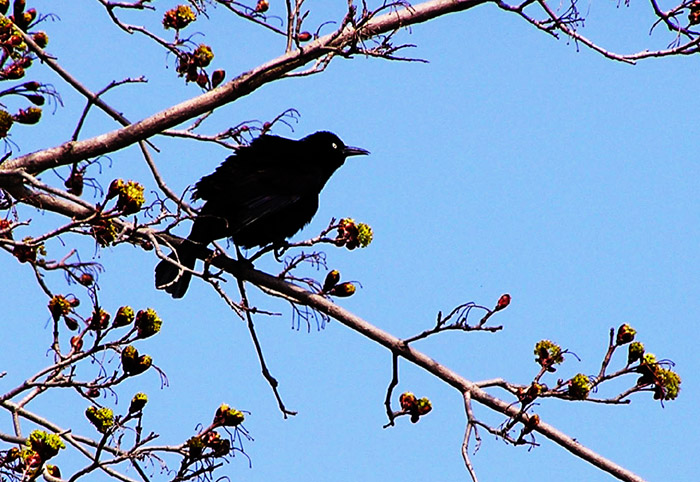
(272,381)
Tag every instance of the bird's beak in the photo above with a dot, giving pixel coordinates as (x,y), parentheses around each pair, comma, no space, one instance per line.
(354,151)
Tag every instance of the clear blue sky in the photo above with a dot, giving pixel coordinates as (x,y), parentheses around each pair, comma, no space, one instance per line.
(509,163)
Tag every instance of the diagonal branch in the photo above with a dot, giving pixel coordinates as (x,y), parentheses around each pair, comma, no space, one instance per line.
(281,288)
(237,88)
(278,287)
(394,344)
(93,99)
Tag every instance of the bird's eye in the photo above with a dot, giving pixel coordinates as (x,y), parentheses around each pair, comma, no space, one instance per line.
(334,145)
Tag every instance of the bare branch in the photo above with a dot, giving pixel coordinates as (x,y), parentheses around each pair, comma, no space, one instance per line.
(467,435)
(272,381)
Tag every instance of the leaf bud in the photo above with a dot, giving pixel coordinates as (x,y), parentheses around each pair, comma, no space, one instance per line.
(124,317)
(625,334)
(138,402)
(343,290)
(228,417)
(332,279)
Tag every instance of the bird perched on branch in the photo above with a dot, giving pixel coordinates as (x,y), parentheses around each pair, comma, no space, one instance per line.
(263,194)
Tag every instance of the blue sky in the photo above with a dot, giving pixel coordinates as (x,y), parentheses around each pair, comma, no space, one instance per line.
(508,163)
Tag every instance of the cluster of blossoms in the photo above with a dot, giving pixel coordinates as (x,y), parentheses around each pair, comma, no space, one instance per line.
(146,323)
(192,65)
(694,12)
(138,402)
(30,115)
(225,416)
(12,39)
(353,235)
(16,59)
(178,17)
(39,447)
(333,287)
(60,306)
(548,354)
(28,251)
(129,195)
(665,382)
(212,440)
(579,387)
(101,418)
(104,231)
(416,407)
(130,199)
(528,395)
(133,363)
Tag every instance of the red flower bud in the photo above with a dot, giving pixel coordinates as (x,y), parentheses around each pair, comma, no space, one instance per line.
(503,301)
(115,188)
(407,401)
(262,6)
(25,254)
(13,72)
(41,39)
(217,77)
(15,40)
(77,343)
(203,80)
(99,320)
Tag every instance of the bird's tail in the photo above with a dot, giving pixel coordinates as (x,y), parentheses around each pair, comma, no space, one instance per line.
(170,277)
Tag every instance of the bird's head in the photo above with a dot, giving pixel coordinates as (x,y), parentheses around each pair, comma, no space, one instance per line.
(328,149)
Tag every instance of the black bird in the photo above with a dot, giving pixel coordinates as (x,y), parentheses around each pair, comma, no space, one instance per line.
(262,194)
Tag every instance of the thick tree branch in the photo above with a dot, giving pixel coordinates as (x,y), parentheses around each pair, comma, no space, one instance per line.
(241,86)
(395,345)
(277,287)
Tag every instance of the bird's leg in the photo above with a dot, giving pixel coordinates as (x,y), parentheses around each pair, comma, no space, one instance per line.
(279,248)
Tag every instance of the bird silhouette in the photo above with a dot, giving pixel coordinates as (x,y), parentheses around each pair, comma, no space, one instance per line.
(263,194)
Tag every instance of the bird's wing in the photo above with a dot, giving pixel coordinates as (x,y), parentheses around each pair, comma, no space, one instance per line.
(258,207)
(267,161)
